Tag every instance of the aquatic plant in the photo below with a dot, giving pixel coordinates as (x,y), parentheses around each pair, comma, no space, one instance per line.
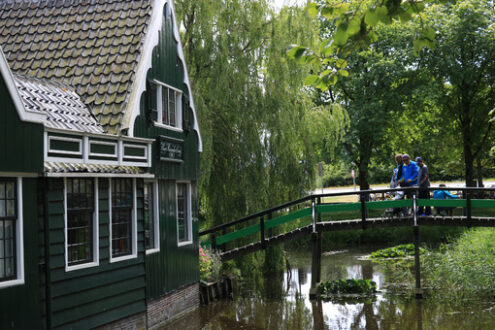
(399,251)
(347,286)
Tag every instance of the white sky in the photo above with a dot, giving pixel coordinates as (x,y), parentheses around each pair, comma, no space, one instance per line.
(280,3)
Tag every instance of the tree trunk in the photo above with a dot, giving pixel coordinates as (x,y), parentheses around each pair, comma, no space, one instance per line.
(363,177)
(479,169)
(468,163)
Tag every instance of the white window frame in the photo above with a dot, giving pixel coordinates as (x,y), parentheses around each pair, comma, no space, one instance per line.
(189,214)
(133,223)
(159,106)
(156,218)
(96,235)
(19,241)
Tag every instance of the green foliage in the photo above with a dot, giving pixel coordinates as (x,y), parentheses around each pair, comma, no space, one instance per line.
(349,286)
(399,251)
(209,265)
(465,268)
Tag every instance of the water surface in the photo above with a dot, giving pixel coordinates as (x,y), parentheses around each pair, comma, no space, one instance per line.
(281,301)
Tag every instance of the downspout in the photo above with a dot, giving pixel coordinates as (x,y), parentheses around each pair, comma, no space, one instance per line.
(46,233)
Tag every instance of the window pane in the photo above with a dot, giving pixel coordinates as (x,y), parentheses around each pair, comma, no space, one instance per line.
(171,107)
(165,111)
(122,203)
(3,208)
(80,213)
(11,208)
(182,212)
(2,190)
(10,190)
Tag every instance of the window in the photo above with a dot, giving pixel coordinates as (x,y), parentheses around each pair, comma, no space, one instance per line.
(151,230)
(184,223)
(123,227)
(81,223)
(11,254)
(168,103)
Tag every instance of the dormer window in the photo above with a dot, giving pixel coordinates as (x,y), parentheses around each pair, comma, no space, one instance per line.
(166,105)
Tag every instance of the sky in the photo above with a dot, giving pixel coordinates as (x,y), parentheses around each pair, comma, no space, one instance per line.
(280,3)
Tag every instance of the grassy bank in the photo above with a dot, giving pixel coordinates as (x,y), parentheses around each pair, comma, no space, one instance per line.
(464,268)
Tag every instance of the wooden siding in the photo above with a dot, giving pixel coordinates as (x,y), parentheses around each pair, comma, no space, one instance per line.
(20,305)
(21,143)
(173,267)
(98,295)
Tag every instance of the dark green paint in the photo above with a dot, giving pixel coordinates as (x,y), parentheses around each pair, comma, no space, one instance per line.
(102,149)
(59,145)
(21,143)
(98,295)
(20,305)
(173,266)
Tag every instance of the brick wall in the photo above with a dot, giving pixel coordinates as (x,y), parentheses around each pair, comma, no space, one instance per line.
(135,322)
(173,305)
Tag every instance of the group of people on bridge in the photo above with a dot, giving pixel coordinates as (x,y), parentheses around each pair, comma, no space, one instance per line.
(409,173)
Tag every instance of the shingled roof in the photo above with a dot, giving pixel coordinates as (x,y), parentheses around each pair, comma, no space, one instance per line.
(92,45)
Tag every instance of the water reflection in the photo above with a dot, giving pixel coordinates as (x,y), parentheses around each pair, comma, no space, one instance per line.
(280,301)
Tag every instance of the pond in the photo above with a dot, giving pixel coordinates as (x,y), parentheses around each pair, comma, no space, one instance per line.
(281,301)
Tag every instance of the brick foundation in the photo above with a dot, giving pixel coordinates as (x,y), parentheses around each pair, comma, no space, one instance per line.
(173,305)
(135,322)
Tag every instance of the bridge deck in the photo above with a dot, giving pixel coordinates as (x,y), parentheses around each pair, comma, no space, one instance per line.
(354,224)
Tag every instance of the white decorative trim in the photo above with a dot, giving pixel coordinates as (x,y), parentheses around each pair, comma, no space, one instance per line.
(19,241)
(156,218)
(64,139)
(19,174)
(136,146)
(105,136)
(189,214)
(96,235)
(145,63)
(172,128)
(99,175)
(101,143)
(24,114)
(133,224)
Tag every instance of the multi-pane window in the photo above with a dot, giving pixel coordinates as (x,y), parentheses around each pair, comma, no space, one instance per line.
(184,232)
(80,220)
(150,221)
(122,209)
(8,218)
(168,103)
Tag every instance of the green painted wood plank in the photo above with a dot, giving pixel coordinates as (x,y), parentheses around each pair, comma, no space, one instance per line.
(388,204)
(442,202)
(288,217)
(483,203)
(338,207)
(238,234)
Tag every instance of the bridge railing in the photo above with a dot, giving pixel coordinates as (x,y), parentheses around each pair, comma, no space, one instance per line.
(305,212)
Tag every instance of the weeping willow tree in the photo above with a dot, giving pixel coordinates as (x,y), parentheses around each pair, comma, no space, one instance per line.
(257,119)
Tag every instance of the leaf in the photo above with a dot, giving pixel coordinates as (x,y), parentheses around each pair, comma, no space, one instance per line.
(344,73)
(429,33)
(295,51)
(404,15)
(381,12)
(310,80)
(327,12)
(354,26)
(341,36)
(326,73)
(332,80)
(312,9)
(341,63)
(371,18)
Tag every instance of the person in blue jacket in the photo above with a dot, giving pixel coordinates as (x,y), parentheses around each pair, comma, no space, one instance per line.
(444,194)
(409,171)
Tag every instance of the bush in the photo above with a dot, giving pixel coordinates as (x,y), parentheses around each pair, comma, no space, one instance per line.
(209,265)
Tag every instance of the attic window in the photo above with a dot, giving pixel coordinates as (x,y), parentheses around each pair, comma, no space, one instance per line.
(166,105)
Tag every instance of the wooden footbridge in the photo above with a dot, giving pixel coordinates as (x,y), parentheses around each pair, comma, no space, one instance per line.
(318,213)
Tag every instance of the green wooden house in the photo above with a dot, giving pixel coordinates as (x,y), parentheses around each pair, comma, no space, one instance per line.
(99,161)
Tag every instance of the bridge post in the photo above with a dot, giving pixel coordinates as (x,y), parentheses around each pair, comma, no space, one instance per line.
(262,232)
(468,207)
(363,210)
(417,265)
